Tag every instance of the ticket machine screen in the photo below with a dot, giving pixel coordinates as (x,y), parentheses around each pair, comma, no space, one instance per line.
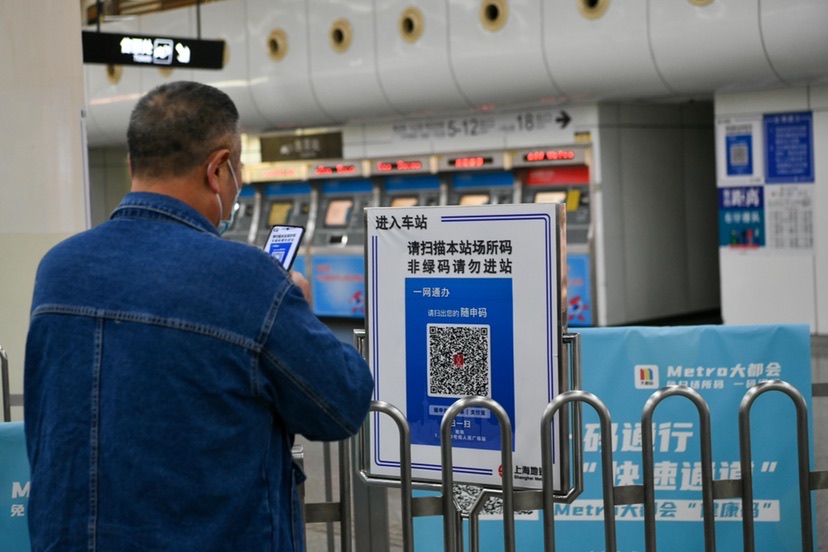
(550,197)
(338,213)
(404,201)
(474,199)
(279,213)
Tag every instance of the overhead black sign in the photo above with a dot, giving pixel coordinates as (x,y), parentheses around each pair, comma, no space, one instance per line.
(157,51)
(326,145)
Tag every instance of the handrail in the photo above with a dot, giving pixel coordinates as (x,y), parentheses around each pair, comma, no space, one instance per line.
(607,474)
(4,375)
(706,464)
(406,485)
(452,531)
(546,498)
(803,448)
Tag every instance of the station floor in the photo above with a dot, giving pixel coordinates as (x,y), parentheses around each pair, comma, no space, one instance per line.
(320,539)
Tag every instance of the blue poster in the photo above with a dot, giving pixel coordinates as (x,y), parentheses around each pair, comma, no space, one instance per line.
(789,148)
(623,366)
(338,283)
(14,487)
(459,342)
(299,265)
(741,216)
(739,154)
(578,286)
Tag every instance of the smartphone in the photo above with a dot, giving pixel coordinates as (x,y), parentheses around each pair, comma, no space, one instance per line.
(283,243)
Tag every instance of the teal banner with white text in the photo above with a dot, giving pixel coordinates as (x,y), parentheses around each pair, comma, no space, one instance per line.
(623,367)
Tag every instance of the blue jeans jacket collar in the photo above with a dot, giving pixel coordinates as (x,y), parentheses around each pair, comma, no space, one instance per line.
(150,205)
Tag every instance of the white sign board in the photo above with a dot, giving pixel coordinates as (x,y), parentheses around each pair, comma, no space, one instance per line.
(465,301)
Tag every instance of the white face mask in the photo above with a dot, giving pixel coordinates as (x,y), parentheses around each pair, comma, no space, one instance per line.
(223,224)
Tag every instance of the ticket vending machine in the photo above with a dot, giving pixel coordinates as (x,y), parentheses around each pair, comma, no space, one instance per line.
(337,269)
(411,191)
(478,179)
(286,203)
(562,175)
(243,220)
(408,183)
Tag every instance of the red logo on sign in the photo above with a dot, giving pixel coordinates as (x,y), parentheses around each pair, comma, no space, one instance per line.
(458,360)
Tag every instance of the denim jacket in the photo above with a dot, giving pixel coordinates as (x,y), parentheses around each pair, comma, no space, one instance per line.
(167,372)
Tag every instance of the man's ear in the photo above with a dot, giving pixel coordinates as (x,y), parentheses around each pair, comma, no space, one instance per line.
(216,159)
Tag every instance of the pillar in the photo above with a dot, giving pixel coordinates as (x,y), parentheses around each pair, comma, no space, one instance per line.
(43,198)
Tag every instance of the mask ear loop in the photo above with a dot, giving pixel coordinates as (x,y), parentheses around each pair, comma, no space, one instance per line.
(223,225)
(235,180)
(221,208)
(218,195)
(218,198)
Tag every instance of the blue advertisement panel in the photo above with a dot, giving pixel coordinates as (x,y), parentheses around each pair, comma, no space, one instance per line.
(300,266)
(789,148)
(14,487)
(579,296)
(741,216)
(623,366)
(338,283)
(461,330)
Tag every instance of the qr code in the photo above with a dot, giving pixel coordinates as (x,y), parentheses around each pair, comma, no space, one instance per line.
(459,360)
(739,155)
(465,498)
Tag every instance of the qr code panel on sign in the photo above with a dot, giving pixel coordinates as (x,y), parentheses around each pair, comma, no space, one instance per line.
(459,360)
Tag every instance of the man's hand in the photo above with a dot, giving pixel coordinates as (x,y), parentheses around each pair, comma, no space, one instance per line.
(303,284)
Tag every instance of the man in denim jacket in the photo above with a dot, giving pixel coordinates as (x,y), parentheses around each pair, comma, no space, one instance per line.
(168,370)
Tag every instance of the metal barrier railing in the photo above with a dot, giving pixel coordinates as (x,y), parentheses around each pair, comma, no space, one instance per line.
(406,483)
(572,342)
(613,496)
(4,380)
(606,466)
(452,531)
(706,465)
(803,449)
(335,512)
(9,399)
(341,512)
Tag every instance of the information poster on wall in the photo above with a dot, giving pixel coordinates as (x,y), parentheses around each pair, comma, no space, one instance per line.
(789,147)
(623,367)
(465,301)
(765,181)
